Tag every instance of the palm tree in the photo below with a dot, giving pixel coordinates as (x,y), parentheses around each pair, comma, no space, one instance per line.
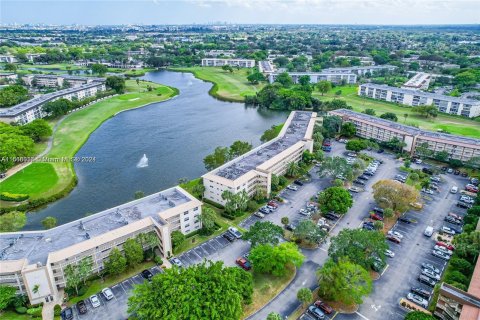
(292,169)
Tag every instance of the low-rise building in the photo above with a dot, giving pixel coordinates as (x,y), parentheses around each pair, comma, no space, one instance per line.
(370,127)
(420,81)
(220,53)
(8,58)
(30,110)
(54,81)
(409,97)
(214,62)
(337,78)
(362,70)
(265,66)
(252,172)
(37,259)
(8,76)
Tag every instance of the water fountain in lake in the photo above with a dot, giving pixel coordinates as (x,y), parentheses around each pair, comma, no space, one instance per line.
(143,162)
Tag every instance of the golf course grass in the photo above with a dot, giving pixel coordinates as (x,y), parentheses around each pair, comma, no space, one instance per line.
(42,180)
(227,86)
(453,124)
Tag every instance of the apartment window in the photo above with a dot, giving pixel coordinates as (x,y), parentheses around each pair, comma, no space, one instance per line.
(195,209)
(187,225)
(186,219)
(186,212)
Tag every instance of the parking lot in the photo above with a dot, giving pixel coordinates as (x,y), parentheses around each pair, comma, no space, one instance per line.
(116,308)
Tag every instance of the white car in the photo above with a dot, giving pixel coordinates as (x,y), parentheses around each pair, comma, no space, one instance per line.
(467,199)
(305,212)
(389,253)
(429,273)
(293,188)
(427,191)
(440,248)
(441,255)
(107,293)
(235,232)
(176,262)
(417,299)
(448,231)
(259,214)
(396,234)
(95,301)
(418,161)
(430,267)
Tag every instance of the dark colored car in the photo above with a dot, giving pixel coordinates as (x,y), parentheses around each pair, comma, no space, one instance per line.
(230,237)
(360,182)
(67,314)
(464,174)
(421,292)
(289,227)
(456,172)
(368,227)
(332,216)
(298,182)
(323,306)
(82,307)
(327,148)
(452,220)
(405,220)
(368,173)
(464,205)
(147,274)
(381,151)
(426,280)
(378,210)
(427,171)
(363,177)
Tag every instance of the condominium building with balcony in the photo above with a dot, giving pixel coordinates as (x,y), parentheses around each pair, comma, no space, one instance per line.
(337,78)
(216,62)
(37,259)
(370,127)
(32,109)
(420,81)
(362,70)
(54,81)
(253,171)
(452,105)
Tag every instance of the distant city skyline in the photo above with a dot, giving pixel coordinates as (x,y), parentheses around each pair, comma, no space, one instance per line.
(108,12)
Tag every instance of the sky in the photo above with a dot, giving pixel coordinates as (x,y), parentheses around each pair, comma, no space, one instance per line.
(107,12)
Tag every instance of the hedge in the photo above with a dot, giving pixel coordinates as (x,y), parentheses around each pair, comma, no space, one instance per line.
(17,197)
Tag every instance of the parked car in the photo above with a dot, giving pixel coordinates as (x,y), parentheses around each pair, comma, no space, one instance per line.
(445,245)
(467,199)
(430,266)
(355,189)
(67,314)
(393,239)
(298,182)
(147,274)
(293,188)
(448,230)
(417,299)
(81,307)
(426,280)
(405,220)
(323,306)
(259,214)
(435,179)
(464,205)
(316,312)
(289,227)
(427,191)
(456,172)
(363,177)
(368,173)
(429,273)
(332,216)
(421,292)
(176,262)
(375,216)
(396,234)
(94,301)
(449,170)
(272,203)
(389,253)
(456,216)
(441,255)
(427,171)
(230,237)
(381,151)
(244,263)
(452,220)
(378,210)
(443,249)
(264,210)
(108,294)
(454,189)
(360,182)
(235,232)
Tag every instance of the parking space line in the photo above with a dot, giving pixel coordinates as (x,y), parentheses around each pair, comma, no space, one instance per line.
(384,270)
(361,315)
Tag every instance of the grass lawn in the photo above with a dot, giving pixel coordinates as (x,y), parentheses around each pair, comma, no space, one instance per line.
(59,66)
(453,124)
(12,315)
(72,133)
(97,285)
(265,288)
(229,86)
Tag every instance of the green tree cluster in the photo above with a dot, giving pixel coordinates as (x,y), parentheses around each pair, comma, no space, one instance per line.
(13,95)
(274,259)
(222,155)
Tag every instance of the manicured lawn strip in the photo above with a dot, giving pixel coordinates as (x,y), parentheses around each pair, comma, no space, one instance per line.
(97,285)
(74,131)
(56,66)
(29,179)
(227,86)
(12,315)
(265,288)
(453,124)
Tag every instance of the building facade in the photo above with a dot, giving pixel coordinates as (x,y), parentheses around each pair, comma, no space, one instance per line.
(253,171)
(37,259)
(362,70)
(420,81)
(55,81)
(32,109)
(370,127)
(409,97)
(337,78)
(214,62)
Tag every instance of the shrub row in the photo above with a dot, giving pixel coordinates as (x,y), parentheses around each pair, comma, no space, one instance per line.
(6,196)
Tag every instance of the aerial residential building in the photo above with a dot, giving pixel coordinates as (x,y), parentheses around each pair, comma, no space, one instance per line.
(362,70)
(409,97)
(30,110)
(8,58)
(337,78)
(30,259)
(8,76)
(370,127)
(54,81)
(253,171)
(265,66)
(420,81)
(214,62)
(220,53)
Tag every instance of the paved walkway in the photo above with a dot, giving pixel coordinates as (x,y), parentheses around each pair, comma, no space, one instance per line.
(48,307)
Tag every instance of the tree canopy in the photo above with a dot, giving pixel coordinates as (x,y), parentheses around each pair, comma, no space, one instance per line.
(395,195)
(12,95)
(274,259)
(202,291)
(335,199)
(263,233)
(307,230)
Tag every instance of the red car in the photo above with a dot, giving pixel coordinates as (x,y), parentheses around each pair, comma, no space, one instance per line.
(244,263)
(471,189)
(393,239)
(445,245)
(375,216)
(323,306)
(273,204)
(456,216)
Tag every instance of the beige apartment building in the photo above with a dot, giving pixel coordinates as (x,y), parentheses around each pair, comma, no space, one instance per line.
(370,127)
(334,77)
(216,62)
(253,170)
(54,81)
(37,259)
